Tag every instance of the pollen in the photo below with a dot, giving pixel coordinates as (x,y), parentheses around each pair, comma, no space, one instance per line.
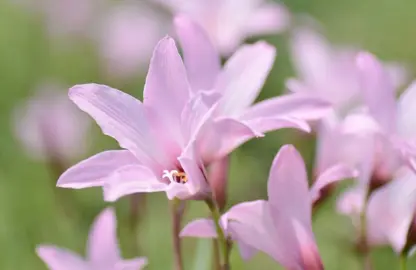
(175,176)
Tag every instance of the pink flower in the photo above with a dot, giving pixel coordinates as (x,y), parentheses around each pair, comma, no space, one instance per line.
(102,250)
(384,134)
(127,34)
(229,22)
(281,226)
(178,129)
(49,126)
(331,72)
(65,17)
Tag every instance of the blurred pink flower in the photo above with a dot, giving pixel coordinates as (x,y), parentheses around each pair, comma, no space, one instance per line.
(384,138)
(177,130)
(229,22)
(331,72)
(281,226)
(102,250)
(49,126)
(126,36)
(65,17)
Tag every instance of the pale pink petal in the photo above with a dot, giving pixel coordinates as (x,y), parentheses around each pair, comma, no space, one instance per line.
(407,112)
(263,125)
(351,202)
(249,213)
(102,246)
(303,107)
(93,171)
(288,183)
(268,18)
(251,238)
(166,91)
(193,166)
(243,77)
(201,58)
(132,264)
(312,55)
(360,123)
(331,175)
(391,209)
(201,228)
(120,116)
(197,115)
(377,89)
(233,133)
(131,179)
(61,259)
(246,251)
(309,254)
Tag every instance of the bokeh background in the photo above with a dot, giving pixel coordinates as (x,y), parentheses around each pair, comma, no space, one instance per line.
(29,210)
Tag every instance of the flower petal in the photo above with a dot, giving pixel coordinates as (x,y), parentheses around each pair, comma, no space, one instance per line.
(166,91)
(392,207)
(288,186)
(197,112)
(268,18)
(201,228)
(131,179)
(377,89)
(102,246)
(132,264)
(407,111)
(333,174)
(263,125)
(243,77)
(232,133)
(249,213)
(301,106)
(93,171)
(193,166)
(120,116)
(201,58)
(61,259)
(249,237)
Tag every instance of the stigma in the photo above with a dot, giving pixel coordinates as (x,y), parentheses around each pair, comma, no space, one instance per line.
(175,177)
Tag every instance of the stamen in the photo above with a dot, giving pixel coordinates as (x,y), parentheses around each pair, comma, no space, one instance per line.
(175,177)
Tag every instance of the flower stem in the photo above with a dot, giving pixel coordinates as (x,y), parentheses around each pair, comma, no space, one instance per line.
(364,248)
(403,261)
(177,209)
(222,241)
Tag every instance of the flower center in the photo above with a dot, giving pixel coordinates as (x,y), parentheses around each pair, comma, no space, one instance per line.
(175,177)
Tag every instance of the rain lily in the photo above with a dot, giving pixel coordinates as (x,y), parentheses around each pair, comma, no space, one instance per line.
(229,22)
(385,135)
(127,34)
(65,17)
(331,72)
(102,250)
(178,129)
(49,126)
(280,226)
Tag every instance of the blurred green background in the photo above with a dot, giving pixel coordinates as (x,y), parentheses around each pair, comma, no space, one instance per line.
(29,214)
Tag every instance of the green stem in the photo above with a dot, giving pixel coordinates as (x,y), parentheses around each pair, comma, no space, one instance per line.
(176,215)
(222,240)
(403,261)
(364,247)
